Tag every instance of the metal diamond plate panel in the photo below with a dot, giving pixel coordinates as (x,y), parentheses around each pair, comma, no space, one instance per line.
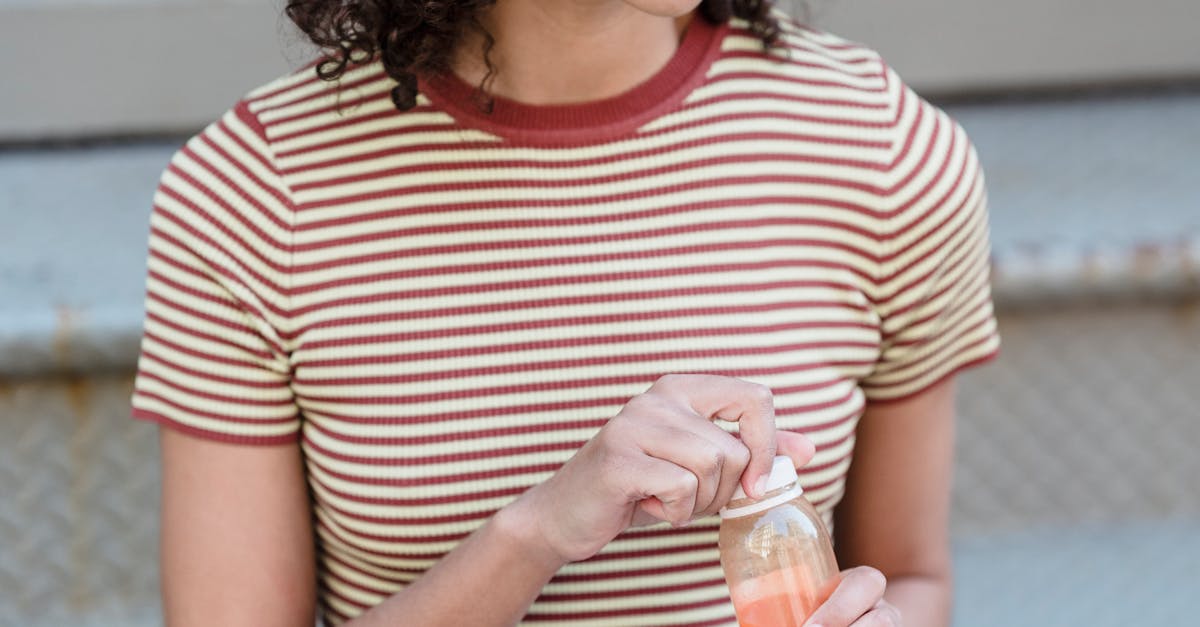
(79,517)
(1075,449)
(1090,415)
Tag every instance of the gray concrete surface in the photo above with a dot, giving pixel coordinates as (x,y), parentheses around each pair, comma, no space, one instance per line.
(72,255)
(1076,502)
(1080,576)
(1087,196)
(1092,196)
(1116,172)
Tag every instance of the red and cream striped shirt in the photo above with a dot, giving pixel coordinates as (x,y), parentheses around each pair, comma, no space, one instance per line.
(441,305)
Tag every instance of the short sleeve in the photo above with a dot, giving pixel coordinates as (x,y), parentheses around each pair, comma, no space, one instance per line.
(214,355)
(933,297)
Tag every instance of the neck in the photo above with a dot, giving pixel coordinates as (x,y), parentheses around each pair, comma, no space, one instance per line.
(550,52)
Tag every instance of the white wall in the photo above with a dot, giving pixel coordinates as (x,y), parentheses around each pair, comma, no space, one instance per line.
(110,67)
(970,45)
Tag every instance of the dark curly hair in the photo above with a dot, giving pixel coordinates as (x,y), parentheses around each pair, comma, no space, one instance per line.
(413,37)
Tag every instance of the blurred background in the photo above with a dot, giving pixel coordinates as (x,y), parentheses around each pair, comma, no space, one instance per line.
(1077,495)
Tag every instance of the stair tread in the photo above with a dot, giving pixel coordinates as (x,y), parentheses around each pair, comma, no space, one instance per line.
(1083,193)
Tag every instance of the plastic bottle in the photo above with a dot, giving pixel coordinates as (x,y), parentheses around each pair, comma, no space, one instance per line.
(776,553)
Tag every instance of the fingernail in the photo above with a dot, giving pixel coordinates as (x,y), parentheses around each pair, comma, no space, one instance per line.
(760,487)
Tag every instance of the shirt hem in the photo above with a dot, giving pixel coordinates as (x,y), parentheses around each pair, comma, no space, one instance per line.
(214,436)
(974,363)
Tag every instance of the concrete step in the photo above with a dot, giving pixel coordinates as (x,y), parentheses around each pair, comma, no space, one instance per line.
(1088,196)
(1093,576)
(72,254)
(1092,196)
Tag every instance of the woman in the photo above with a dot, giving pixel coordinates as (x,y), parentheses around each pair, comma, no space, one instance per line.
(503,314)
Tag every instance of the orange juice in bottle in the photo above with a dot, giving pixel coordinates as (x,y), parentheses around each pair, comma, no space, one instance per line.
(776,553)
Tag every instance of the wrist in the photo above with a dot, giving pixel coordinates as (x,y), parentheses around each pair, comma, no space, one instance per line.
(518,524)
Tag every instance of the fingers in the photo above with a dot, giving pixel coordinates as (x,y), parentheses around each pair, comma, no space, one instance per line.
(715,457)
(668,491)
(749,404)
(661,457)
(672,423)
(857,597)
(796,446)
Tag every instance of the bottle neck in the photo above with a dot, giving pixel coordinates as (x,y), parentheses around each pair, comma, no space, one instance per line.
(769,500)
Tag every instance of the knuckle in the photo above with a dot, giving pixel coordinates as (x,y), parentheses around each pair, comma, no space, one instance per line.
(638,404)
(645,405)
(678,500)
(762,395)
(687,484)
(713,462)
(739,455)
(680,491)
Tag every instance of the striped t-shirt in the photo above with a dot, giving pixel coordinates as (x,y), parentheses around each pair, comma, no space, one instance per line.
(441,305)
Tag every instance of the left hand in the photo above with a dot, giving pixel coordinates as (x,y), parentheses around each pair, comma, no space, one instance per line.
(858,602)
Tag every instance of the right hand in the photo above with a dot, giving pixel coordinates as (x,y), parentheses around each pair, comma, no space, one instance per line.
(661,458)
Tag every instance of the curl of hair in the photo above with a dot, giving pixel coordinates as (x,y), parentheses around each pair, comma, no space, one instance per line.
(415,37)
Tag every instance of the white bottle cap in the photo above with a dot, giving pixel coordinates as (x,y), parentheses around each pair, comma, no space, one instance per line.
(782,474)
